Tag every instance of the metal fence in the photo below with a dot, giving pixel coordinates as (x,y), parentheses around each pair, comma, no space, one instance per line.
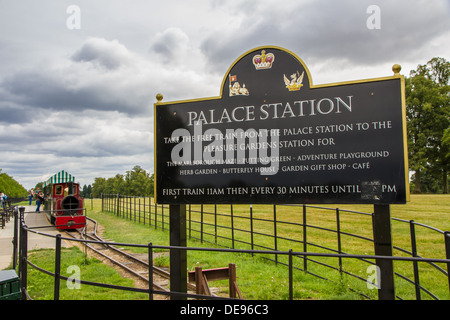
(321,235)
(226,229)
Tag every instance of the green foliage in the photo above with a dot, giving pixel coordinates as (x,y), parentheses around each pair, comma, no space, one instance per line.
(11,187)
(428,120)
(86,191)
(136,182)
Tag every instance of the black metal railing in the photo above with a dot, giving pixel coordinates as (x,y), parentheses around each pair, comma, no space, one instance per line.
(157,216)
(222,226)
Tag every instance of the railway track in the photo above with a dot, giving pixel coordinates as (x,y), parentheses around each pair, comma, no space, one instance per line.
(128,263)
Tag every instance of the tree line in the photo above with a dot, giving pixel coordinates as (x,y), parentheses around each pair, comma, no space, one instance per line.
(135,182)
(10,187)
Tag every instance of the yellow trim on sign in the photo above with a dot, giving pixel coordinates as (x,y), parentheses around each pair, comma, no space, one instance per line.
(159,98)
(405,135)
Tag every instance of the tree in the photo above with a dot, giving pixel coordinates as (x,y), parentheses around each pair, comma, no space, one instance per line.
(11,187)
(138,182)
(135,182)
(98,187)
(428,109)
(86,192)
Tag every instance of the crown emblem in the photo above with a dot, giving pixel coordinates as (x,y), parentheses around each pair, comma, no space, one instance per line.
(296,81)
(263,61)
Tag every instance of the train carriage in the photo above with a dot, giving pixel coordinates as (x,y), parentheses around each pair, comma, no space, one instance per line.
(63,204)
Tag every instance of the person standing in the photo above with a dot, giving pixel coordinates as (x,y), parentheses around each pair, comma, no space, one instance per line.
(30,196)
(39,200)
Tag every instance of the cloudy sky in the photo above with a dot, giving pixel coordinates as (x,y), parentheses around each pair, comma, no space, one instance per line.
(78,78)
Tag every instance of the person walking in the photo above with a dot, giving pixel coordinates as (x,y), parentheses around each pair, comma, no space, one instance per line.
(39,200)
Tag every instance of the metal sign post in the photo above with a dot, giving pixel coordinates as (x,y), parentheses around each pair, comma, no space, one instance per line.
(178,260)
(382,235)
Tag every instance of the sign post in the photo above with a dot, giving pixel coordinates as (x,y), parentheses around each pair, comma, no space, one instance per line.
(382,236)
(274,137)
(178,258)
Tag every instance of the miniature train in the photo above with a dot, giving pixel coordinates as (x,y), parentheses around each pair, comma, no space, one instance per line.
(63,204)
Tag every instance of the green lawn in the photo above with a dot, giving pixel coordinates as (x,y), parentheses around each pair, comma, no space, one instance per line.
(74,263)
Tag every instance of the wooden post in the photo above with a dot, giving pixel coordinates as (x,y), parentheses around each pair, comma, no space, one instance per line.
(198,282)
(201,278)
(232,281)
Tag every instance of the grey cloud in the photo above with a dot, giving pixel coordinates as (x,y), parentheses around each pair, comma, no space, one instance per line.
(99,76)
(171,45)
(15,113)
(104,54)
(104,75)
(332,30)
(85,143)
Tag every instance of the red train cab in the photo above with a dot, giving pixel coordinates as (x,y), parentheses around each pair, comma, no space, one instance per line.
(63,204)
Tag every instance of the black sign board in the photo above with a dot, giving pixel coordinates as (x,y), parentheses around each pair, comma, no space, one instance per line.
(273,137)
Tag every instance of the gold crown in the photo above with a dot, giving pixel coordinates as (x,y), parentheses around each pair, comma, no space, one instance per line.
(263,60)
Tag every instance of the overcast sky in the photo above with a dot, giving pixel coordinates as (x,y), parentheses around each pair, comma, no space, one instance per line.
(77,84)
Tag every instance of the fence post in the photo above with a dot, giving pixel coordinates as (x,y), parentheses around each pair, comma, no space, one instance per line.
(382,235)
(447,254)
(215,223)
(128,205)
(156,213)
(412,230)
(118,204)
(144,211)
(190,221)
(232,227)
(15,242)
(305,248)
(150,271)
(57,266)
(251,227)
(178,262)
(275,232)
(23,253)
(338,230)
(162,217)
(201,223)
(291,280)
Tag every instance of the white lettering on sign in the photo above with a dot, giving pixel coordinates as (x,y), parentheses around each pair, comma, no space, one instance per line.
(267,111)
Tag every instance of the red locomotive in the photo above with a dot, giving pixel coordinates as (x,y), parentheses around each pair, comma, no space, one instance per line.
(63,204)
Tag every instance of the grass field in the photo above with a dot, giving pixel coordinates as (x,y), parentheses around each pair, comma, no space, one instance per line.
(262,279)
